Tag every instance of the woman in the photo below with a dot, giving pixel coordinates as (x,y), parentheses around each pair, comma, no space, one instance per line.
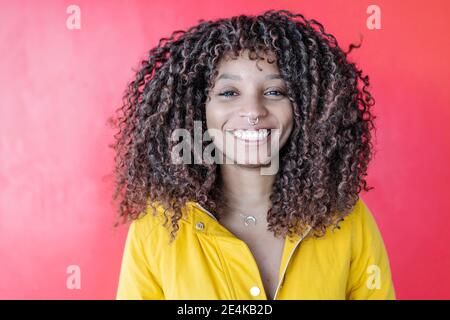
(272,210)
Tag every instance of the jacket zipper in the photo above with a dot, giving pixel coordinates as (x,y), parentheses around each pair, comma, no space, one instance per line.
(289,259)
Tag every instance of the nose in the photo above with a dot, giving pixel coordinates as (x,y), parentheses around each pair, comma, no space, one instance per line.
(253,110)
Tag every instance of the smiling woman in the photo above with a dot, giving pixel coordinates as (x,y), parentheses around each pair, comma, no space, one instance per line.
(227,229)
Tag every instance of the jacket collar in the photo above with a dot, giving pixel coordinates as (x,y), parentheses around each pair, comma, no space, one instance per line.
(211,226)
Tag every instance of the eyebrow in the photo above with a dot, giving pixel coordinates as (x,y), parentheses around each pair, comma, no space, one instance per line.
(236,77)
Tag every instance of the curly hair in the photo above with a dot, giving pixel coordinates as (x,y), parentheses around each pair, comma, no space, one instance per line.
(322,165)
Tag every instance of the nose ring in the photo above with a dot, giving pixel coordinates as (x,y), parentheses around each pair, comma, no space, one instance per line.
(253,122)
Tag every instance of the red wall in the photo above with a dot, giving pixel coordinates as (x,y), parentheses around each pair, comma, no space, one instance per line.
(58,86)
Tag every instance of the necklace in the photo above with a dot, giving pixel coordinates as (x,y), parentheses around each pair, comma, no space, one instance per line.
(249,220)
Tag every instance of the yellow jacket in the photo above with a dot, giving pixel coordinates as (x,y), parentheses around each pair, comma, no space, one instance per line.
(206,261)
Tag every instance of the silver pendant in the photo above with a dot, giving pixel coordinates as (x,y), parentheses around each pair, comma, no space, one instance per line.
(249,220)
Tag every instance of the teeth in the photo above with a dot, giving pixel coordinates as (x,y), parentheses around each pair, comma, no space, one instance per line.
(252,135)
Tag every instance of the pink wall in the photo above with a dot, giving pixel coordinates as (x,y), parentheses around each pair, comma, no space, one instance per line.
(58,86)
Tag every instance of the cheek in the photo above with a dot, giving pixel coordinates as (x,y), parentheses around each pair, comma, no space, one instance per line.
(290,121)
(214,123)
(212,117)
(286,116)
(216,116)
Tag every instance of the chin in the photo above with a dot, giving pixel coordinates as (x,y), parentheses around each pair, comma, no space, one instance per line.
(266,161)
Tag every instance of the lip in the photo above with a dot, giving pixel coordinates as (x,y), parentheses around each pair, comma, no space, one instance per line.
(247,141)
(252,128)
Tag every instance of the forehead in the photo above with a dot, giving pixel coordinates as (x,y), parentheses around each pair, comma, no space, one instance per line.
(243,63)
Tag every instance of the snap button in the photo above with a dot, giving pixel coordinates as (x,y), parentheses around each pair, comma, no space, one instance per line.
(255,291)
(199,226)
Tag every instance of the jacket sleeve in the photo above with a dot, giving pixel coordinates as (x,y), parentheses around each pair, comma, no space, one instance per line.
(137,281)
(370,273)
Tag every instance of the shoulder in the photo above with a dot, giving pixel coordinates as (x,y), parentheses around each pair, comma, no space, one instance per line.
(355,231)
(370,274)
(155,220)
(358,218)
(147,221)
(366,237)
(362,220)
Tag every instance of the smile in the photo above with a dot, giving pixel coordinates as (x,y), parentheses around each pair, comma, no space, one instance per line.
(251,135)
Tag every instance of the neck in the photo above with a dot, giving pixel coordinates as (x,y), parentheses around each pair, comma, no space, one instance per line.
(246,189)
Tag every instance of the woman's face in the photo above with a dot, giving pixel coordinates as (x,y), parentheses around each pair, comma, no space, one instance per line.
(240,94)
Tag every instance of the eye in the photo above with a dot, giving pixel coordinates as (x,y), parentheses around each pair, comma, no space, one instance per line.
(226,93)
(279,93)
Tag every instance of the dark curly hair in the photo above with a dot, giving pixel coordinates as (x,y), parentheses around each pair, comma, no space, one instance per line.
(323,163)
